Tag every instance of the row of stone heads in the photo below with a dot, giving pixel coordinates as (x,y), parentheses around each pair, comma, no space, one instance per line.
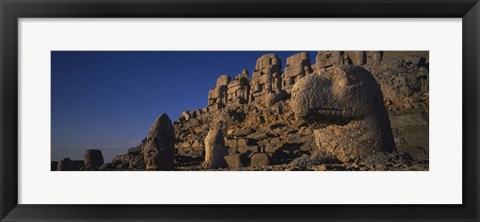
(267,76)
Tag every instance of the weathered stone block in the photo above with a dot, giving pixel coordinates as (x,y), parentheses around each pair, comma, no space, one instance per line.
(275,141)
(243,132)
(242,143)
(233,161)
(259,160)
(294,138)
(307,147)
(232,143)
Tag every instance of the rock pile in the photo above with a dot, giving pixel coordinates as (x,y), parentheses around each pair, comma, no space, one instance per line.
(266,123)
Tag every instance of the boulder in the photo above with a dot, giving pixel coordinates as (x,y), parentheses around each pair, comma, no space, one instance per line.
(294,138)
(275,141)
(243,132)
(307,147)
(242,143)
(233,161)
(159,151)
(259,160)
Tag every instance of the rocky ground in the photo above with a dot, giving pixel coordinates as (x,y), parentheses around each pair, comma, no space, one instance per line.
(266,135)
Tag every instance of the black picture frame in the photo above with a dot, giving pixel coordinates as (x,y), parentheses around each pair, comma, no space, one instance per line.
(12,10)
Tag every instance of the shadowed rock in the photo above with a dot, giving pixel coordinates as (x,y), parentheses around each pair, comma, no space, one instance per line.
(215,149)
(159,150)
(345,107)
(93,158)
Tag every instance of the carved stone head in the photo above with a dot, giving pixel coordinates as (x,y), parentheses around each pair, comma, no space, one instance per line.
(345,107)
(159,150)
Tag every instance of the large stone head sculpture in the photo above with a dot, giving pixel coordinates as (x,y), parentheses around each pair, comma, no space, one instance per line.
(159,150)
(345,107)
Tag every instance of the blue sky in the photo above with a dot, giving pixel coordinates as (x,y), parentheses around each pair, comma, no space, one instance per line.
(108,100)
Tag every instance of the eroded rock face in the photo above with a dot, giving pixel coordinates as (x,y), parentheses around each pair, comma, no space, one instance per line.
(345,107)
(159,148)
(215,149)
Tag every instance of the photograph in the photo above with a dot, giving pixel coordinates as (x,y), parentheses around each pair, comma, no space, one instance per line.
(239,110)
(278,110)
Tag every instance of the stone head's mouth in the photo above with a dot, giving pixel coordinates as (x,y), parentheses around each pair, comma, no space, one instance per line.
(322,117)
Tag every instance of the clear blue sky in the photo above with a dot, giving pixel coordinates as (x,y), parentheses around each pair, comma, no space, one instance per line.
(108,100)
